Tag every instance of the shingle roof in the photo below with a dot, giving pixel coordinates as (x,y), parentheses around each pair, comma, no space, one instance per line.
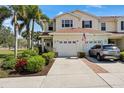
(109,16)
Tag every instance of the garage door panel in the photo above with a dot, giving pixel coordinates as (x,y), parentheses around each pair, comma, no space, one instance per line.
(67,49)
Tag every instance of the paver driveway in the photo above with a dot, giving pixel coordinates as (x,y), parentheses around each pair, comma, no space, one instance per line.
(67,73)
(115,77)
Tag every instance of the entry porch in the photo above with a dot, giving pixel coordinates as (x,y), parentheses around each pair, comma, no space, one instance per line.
(45,42)
(117,39)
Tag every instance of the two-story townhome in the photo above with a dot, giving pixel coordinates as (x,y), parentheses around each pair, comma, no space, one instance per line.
(78,31)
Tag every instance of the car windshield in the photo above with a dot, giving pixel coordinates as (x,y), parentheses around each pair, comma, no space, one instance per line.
(112,47)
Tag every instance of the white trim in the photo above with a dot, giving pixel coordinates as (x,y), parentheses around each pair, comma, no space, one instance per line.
(92,34)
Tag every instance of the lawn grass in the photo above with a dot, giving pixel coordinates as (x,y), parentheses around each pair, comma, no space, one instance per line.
(6,53)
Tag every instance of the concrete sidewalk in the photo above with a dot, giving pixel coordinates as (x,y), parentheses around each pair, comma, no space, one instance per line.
(72,73)
(22,82)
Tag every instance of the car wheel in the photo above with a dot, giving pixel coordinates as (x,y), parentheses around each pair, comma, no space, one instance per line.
(99,58)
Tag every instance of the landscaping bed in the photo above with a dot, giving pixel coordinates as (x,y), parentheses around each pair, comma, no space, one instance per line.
(13,73)
(28,63)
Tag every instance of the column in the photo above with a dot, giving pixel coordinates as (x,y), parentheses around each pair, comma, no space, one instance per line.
(42,39)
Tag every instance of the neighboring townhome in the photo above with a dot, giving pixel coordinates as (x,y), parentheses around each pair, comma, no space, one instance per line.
(77,31)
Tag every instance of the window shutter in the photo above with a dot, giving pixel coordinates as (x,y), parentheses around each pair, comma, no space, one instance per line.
(62,23)
(82,24)
(90,24)
(122,23)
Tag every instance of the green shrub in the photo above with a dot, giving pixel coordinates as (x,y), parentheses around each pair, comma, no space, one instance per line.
(29,53)
(81,54)
(36,49)
(9,63)
(56,54)
(48,56)
(35,64)
(3,74)
(122,56)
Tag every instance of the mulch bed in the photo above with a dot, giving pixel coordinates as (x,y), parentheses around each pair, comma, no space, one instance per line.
(26,74)
(96,68)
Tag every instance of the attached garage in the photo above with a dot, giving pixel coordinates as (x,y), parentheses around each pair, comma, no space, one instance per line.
(68,42)
(67,47)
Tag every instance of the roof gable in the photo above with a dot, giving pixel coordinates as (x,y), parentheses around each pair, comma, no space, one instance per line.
(72,14)
(85,13)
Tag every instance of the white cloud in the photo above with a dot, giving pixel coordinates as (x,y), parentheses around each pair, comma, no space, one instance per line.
(95,6)
(85,10)
(60,13)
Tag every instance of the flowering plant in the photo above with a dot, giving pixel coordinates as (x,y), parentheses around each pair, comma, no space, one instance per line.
(21,65)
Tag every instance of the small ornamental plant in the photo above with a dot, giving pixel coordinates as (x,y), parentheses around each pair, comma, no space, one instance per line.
(21,65)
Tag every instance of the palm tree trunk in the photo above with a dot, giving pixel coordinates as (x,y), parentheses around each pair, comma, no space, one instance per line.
(29,36)
(15,33)
(32,33)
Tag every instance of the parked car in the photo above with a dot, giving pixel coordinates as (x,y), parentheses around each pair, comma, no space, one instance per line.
(108,51)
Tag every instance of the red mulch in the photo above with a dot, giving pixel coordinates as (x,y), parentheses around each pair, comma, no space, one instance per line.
(96,68)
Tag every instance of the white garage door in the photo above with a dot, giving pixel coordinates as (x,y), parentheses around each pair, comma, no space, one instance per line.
(67,48)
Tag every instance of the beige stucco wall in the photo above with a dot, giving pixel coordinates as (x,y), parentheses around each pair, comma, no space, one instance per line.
(111,26)
(77,21)
(121,44)
(59,19)
(85,17)
(119,24)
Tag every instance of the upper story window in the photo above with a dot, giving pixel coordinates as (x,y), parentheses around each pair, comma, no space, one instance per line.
(103,26)
(122,25)
(67,23)
(50,27)
(86,24)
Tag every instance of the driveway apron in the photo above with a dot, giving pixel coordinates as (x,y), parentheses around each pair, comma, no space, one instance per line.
(72,73)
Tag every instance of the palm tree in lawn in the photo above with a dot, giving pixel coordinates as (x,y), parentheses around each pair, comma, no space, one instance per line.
(33,15)
(18,12)
(24,21)
(36,16)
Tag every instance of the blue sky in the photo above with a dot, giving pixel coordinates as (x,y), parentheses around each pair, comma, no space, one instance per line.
(98,10)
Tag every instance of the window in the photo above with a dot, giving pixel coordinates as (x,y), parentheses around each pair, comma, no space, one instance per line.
(86,24)
(95,41)
(103,26)
(65,42)
(74,42)
(60,42)
(90,41)
(99,41)
(98,46)
(67,23)
(50,27)
(69,42)
(122,25)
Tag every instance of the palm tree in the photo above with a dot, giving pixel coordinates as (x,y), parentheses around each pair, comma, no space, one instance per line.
(5,13)
(44,20)
(17,11)
(33,15)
